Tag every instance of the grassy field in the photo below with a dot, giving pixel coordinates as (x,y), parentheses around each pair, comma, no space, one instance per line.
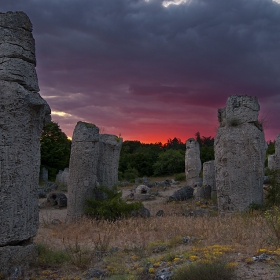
(138,248)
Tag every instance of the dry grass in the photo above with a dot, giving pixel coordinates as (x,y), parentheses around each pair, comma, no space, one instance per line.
(137,248)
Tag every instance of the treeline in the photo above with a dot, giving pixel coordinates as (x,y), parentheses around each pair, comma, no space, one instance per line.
(138,159)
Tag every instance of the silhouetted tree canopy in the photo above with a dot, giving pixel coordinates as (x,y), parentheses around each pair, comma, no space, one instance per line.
(55,149)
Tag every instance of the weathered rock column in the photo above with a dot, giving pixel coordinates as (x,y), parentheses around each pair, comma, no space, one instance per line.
(209,174)
(277,152)
(192,162)
(271,162)
(108,162)
(240,150)
(82,168)
(22,116)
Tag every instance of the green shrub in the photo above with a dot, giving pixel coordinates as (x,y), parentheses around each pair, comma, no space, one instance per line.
(50,256)
(218,270)
(272,218)
(180,177)
(109,205)
(273,191)
(130,174)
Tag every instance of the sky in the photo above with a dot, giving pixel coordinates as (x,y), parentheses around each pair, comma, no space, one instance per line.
(151,70)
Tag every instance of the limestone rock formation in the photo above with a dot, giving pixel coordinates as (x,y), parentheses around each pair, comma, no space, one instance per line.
(94,161)
(277,152)
(82,167)
(108,161)
(22,116)
(271,162)
(240,150)
(209,174)
(62,177)
(192,162)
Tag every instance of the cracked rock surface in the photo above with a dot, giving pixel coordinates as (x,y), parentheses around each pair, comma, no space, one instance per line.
(240,150)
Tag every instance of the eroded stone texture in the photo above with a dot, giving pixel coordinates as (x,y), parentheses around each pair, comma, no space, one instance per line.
(82,168)
(14,258)
(277,152)
(62,177)
(108,161)
(192,162)
(209,174)
(22,116)
(240,150)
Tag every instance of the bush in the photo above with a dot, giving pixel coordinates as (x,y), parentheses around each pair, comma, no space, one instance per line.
(218,270)
(273,191)
(48,256)
(272,217)
(108,204)
(170,162)
(180,177)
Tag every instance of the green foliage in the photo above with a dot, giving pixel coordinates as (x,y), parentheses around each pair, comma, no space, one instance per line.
(180,177)
(273,190)
(175,144)
(55,149)
(270,150)
(170,162)
(218,270)
(109,205)
(272,217)
(48,256)
(138,159)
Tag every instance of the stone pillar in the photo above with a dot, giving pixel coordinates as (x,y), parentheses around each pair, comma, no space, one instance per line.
(108,162)
(192,162)
(240,150)
(271,162)
(209,174)
(82,168)
(277,152)
(44,174)
(65,176)
(22,116)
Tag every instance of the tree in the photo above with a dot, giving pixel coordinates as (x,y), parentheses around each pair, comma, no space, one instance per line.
(55,149)
(170,162)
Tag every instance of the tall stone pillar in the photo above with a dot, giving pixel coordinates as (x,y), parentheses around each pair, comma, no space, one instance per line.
(209,174)
(192,162)
(240,150)
(108,162)
(271,162)
(22,116)
(82,176)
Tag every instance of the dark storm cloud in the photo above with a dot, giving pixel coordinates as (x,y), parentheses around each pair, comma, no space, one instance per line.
(124,57)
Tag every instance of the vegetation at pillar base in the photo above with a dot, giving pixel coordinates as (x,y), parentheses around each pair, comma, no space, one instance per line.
(272,197)
(108,204)
(55,149)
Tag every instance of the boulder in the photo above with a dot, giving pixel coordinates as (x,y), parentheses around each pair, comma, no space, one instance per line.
(182,194)
(57,199)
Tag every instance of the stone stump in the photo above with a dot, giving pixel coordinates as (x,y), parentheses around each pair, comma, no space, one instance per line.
(22,116)
(240,150)
(192,162)
(108,161)
(82,168)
